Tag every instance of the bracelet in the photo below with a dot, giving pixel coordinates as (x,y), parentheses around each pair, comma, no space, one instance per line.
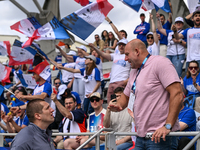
(55,143)
(175,31)
(110,22)
(19,107)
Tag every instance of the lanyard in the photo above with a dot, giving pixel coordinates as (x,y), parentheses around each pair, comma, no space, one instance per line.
(134,83)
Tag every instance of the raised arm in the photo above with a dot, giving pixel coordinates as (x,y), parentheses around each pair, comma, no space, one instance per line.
(176,34)
(104,55)
(153,28)
(159,25)
(114,28)
(68,57)
(64,111)
(59,66)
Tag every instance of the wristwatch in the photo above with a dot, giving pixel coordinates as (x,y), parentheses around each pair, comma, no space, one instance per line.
(180,41)
(168,126)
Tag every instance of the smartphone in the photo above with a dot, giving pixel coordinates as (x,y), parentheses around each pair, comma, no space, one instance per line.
(113,96)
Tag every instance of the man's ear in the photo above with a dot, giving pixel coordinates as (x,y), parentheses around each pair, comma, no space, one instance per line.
(37,116)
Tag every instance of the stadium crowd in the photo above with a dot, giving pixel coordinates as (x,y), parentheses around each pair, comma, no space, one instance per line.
(154,62)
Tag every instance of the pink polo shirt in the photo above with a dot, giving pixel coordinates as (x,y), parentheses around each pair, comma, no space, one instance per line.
(151,104)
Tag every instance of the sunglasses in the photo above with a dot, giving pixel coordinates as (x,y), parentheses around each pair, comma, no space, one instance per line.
(57,83)
(191,68)
(69,103)
(149,37)
(92,100)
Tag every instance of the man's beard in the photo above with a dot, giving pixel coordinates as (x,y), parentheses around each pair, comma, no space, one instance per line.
(197,24)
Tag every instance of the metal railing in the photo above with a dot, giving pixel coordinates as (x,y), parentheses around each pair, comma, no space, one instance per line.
(110,137)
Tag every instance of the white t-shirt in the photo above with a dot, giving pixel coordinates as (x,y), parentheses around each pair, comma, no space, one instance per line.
(66,75)
(91,80)
(174,48)
(120,68)
(154,49)
(80,63)
(193,43)
(46,88)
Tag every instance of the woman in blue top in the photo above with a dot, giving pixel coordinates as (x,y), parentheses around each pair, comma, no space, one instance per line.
(91,77)
(191,84)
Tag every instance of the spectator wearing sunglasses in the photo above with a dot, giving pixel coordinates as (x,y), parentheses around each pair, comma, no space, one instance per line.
(152,39)
(94,123)
(91,78)
(175,48)
(191,86)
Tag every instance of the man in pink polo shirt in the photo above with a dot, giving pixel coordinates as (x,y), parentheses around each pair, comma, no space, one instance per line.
(155,94)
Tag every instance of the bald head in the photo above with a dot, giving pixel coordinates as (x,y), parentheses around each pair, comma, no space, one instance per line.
(135,52)
(138,44)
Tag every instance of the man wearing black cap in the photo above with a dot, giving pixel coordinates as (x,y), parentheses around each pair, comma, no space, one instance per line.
(142,29)
(192,35)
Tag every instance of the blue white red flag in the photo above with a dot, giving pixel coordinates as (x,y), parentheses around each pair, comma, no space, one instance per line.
(43,70)
(4,47)
(148,5)
(26,26)
(27,80)
(1,90)
(162,4)
(82,2)
(84,21)
(4,74)
(134,4)
(20,55)
(50,31)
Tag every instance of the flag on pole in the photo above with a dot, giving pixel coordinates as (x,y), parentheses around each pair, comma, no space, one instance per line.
(134,4)
(1,90)
(20,55)
(82,2)
(148,5)
(84,21)
(4,47)
(162,4)
(27,80)
(50,31)
(43,70)
(4,73)
(26,26)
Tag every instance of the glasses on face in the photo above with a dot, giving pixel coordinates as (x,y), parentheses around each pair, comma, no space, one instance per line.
(93,99)
(96,37)
(150,37)
(195,68)
(57,83)
(69,103)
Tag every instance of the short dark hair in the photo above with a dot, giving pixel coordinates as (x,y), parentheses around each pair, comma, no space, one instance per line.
(68,45)
(55,80)
(142,14)
(71,96)
(119,89)
(124,32)
(96,35)
(162,15)
(33,107)
(22,89)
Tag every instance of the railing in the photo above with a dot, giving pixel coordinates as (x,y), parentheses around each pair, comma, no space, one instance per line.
(110,137)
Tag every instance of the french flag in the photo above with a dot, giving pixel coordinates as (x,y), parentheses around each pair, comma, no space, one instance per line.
(27,80)
(50,31)
(20,55)
(84,21)
(162,4)
(4,47)
(43,70)
(26,26)
(4,74)
(134,4)
(148,5)
(82,2)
